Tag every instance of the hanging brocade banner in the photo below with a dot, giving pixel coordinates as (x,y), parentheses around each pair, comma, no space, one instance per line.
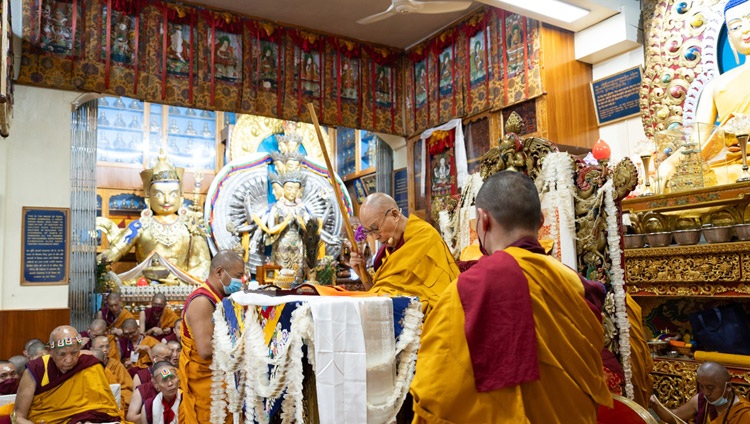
(121,37)
(308,70)
(269,65)
(383,85)
(178,45)
(347,82)
(225,47)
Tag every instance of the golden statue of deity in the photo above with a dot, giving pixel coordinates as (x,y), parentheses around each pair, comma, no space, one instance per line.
(165,228)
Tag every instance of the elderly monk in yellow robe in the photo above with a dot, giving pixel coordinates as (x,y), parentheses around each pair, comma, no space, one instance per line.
(65,386)
(414,259)
(157,321)
(117,372)
(716,401)
(224,278)
(114,315)
(514,339)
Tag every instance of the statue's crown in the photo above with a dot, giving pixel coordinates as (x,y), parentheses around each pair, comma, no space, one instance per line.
(162,171)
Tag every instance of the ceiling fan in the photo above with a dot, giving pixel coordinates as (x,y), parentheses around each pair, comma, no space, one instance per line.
(414,6)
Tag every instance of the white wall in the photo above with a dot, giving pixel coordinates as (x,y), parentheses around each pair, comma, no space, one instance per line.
(34,171)
(622,136)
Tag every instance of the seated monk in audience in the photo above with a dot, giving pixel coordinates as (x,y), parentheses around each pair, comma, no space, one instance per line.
(159,352)
(65,386)
(29,343)
(174,348)
(8,378)
(164,407)
(116,372)
(20,362)
(134,347)
(114,315)
(142,392)
(158,320)
(37,350)
(716,401)
(98,327)
(174,335)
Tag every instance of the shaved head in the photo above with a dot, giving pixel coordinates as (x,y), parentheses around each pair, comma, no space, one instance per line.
(129,323)
(160,352)
(511,198)
(62,332)
(38,349)
(159,296)
(99,342)
(99,354)
(20,362)
(98,326)
(378,203)
(713,370)
(114,296)
(29,343)
(225,259)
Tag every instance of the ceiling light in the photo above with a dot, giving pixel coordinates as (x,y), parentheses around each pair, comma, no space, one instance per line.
(555,9)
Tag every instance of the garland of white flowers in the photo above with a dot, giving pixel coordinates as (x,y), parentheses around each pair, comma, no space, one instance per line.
(455,227)
(617,280)
(226,361)
(407,346)
(287,373)
(557,177)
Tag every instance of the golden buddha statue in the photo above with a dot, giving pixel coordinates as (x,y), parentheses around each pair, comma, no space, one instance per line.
(723,97)
(165,227)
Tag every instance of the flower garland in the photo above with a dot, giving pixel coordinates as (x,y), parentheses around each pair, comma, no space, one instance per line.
(407,346)
(617,280)
(226,362)
(557,177)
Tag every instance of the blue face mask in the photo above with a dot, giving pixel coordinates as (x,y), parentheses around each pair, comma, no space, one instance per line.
(235,285)
(720,401)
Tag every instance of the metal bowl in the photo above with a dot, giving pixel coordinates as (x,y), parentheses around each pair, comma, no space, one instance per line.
(634,241)
(687,237)
(742,231)
(155,272)
(717,234)
(659,239)
(657,346)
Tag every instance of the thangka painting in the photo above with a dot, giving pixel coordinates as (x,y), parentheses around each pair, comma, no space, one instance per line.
(514,44)
(227,51)
(445,71)
(56,34)
(268,69)
(420,83)
(349,78)
(121,34)
(178,49)
(442,164)
(308,64)
(477,58)
(384,86)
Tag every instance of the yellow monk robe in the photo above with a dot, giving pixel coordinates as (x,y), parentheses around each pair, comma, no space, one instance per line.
(121,377)
(569,340)
(194,371)
(115,323)
(641,361)
(167,319)
(423,266)
(739,413)
(82,392)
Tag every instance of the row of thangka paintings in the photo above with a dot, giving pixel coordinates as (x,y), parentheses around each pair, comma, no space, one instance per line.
(170,53)
(57,37)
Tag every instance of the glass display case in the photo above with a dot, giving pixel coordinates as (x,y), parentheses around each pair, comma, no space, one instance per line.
(356,152)
(131,132)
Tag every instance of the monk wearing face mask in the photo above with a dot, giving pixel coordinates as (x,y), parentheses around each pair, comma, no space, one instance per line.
(8,378)
(157,320)
(715,403)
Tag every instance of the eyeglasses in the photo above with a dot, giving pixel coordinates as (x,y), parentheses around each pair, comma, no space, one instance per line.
(371,230)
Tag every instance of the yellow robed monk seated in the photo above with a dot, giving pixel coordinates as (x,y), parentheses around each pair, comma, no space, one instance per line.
(414,259)
(65,386)
(513,339)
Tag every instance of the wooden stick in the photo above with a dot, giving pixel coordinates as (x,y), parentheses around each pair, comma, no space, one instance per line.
(362,271)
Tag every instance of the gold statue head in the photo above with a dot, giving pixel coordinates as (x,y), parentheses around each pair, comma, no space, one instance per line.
(736,16)
(162,185)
